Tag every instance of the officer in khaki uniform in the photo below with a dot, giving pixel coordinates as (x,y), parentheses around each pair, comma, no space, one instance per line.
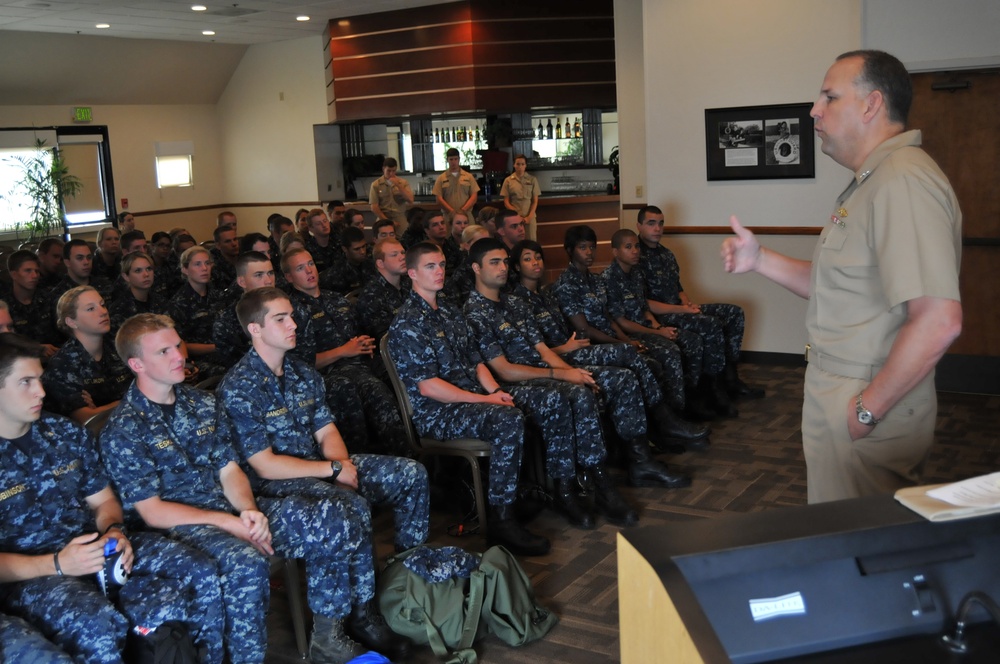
(882,285)
(520,193)
(455,189)
(390,196)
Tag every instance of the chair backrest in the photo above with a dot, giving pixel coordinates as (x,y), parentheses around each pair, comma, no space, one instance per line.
(96,422)
(402,398)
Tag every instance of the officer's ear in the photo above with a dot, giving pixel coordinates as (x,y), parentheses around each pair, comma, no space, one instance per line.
(253,329)
(135,364)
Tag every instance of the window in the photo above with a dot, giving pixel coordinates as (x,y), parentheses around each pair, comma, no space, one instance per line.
(173,164)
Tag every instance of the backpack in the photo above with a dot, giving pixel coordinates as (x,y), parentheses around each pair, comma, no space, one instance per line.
(449,598)
(170,643)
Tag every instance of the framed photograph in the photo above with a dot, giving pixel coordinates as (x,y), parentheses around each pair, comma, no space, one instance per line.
(760,142)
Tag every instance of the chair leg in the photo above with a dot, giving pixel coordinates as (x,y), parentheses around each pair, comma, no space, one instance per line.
(295,605)
(477,486)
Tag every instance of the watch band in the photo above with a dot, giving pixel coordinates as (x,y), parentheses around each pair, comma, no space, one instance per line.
(865,416)
(337,467)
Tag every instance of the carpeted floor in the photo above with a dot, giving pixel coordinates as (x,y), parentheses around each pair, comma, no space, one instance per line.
(755,464)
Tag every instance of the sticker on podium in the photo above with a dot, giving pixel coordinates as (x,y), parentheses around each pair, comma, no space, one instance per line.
(767,608)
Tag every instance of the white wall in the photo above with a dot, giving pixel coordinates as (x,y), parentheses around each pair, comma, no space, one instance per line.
(631,91)
(266,116)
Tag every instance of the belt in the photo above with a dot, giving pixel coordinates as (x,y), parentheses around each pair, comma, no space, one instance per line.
(840,367)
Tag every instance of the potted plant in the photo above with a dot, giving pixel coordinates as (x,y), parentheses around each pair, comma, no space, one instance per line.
(45,182)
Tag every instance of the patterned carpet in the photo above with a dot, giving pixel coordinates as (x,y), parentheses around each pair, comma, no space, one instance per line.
(755,464)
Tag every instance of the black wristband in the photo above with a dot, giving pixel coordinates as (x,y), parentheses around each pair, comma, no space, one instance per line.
(120,527)
(55,559)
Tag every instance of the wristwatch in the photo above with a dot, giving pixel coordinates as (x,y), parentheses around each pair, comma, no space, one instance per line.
(865,416)
(337,467)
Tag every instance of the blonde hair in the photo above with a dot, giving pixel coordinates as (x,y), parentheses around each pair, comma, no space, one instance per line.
(67,304)
(128,341)
(190,252)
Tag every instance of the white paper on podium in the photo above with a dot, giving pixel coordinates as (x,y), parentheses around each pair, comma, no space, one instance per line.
(982,491)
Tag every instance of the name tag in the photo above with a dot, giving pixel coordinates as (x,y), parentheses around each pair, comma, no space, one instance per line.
(62,470)
(163,444)
(13,491)
(277,412)
(306,402)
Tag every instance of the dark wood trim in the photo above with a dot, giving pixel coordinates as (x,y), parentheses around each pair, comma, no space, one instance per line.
(198,208)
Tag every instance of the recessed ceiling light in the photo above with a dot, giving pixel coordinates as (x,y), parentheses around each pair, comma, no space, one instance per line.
(208,33)
(343,23)
(198,8)
(102,26)
(301,18)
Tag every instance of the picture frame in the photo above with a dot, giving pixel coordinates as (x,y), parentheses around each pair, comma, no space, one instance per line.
(760,142)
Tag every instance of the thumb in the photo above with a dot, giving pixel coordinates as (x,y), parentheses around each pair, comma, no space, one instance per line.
(738,228)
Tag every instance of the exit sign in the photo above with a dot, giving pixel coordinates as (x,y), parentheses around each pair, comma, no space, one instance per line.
(83,114)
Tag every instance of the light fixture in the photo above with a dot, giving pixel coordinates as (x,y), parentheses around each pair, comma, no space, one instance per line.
(208,33)
(301,18)
(102,26)
(343,23)
(198,8)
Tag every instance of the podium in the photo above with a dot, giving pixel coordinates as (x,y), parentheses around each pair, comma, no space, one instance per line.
(863,580)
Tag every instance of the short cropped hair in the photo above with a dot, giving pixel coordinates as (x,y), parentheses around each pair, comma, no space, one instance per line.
(885,73)
(577,234)
(219,230)
(647,209)
(69,246)
(381,223)
(248,257)
(220,219)
(66,306)
(351,235)
(277,221)
(250,239)
(486,215)
(620,236)
(287,257)
(128,341)
(180,239)
(128,238)
(130,258)
(19,258)
(252,307)
(480,248)
(14,347)
(415,253)
(159,235)
(378,251)
(191,252)
(452,152)
(390,163)
(45,245)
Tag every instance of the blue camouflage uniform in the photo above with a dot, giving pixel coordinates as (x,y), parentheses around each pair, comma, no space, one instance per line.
(223,271)
(460,282)
(426,343)
(720,325)
(124,306)
(46,477)
(73,370)
(567,414)
(327,322)
(193,315)
(627,299)
(377,305)
(230,339)
(454,255)
(585,293)
(21,643)
(343,276)
(283,414)
(34,320)
(176,453)
(325,257)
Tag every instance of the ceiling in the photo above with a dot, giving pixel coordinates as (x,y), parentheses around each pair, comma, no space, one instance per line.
(246,22)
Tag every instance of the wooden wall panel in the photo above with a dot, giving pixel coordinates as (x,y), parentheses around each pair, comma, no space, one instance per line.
(472,56)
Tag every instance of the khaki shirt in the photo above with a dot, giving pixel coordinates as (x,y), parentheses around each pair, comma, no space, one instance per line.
(894,235)
(391,199)
(455,189)
(520,192)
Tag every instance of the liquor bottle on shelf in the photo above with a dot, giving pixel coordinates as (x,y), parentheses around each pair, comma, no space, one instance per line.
(454,135)
(548,130)
(437,136)
(558,128)
(569,128)
(541,131)
(576,128)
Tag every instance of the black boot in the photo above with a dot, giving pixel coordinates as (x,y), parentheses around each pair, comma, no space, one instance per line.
(609,501)
(567,502)
(737,388)
(367,626)
(505,530)
(329,644)
(724,405)
(644,470)
(672,431)
(700,402)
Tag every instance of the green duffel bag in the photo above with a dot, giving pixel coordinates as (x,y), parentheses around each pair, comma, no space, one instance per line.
(448,598)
